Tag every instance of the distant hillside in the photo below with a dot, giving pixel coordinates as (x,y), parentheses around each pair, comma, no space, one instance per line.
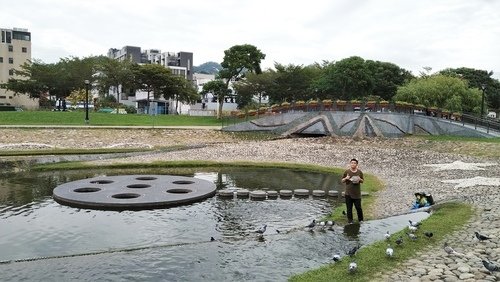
(208,68)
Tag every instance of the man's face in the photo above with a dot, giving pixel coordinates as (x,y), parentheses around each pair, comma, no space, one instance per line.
(354,165)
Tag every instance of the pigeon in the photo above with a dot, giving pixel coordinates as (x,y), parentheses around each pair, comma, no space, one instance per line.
(449,250)
(353,251)
(212,239)
(412,228)
(399,241)
(344,213)
(277,231)
(353,266)
(387,235)
(490,266)
(262,229)
(336,258)
(412,236)
(312,224)
(428,234)
(481,237)
(414,223)
(389,251)
(330,223)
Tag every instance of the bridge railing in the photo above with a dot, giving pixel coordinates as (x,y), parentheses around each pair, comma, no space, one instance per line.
(368,106)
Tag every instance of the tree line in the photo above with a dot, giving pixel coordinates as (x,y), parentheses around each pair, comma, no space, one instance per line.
(67,78)
(241,76)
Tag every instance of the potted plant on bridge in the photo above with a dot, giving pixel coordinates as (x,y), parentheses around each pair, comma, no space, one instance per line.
(285,106)
(300,105)
(341,105)
(312,105)
(327,104)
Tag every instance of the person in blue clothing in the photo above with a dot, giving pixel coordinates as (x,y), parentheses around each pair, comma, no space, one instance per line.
(420,201)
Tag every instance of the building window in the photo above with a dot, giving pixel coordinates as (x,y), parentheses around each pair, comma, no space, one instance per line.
(11,72)
(3,97)
(1,59)
(11,60)
(9,36)
(11,48)
(25,50)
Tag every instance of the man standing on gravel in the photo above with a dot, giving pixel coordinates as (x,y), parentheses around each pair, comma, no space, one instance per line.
(353,177)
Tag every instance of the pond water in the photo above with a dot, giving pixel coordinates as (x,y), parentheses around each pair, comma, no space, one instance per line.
(43,240)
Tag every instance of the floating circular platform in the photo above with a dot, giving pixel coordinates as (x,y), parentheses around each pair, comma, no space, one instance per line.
(136,192)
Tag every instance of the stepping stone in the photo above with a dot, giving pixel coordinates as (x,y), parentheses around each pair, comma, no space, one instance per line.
(318,193)
(258,195)
(333,193)
(226,193)
(242,193)
(301,192)
(272,194)
(286,193)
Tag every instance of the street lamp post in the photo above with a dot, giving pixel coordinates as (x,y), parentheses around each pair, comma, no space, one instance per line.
(483,87)
(87,101)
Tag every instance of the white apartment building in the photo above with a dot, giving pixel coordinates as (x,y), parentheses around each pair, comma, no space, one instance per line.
(15,50)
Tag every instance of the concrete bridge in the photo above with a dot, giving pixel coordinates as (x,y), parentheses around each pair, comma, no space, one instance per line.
(360,124)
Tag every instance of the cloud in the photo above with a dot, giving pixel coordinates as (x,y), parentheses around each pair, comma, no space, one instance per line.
(448,33)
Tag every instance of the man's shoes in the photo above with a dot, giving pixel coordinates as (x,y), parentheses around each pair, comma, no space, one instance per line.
(349,222)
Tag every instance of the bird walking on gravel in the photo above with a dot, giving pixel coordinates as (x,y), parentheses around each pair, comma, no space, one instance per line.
(490,266)
(336,257)
(262,230)
(311,225)
(449,250)
(353,251)
(481,237)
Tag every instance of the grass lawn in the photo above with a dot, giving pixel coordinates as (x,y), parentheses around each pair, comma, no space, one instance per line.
(78,118)
(372,260)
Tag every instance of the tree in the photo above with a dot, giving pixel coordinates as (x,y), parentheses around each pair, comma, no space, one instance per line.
(386,78)
(347,79)
(441,91)
(478,78)
(217,88)
(116,74)
(155,79)
(181,90)
(60,79)
(295,82)
(253,85)
(238,60)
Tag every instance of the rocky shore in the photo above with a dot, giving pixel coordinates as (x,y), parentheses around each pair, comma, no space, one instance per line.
(406,166)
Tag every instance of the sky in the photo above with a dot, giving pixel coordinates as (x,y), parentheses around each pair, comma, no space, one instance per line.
(411,34)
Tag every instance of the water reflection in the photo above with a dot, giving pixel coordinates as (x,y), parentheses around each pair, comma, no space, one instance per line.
(173,244)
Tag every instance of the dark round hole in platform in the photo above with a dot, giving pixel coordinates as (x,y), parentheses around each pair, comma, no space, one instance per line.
(146,178)
(87,190)
(138,186)
(183,182)
(178,191)
(126,196)
(102,181)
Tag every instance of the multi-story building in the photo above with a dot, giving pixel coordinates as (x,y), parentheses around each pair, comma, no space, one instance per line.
(15,50)
(180,64)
